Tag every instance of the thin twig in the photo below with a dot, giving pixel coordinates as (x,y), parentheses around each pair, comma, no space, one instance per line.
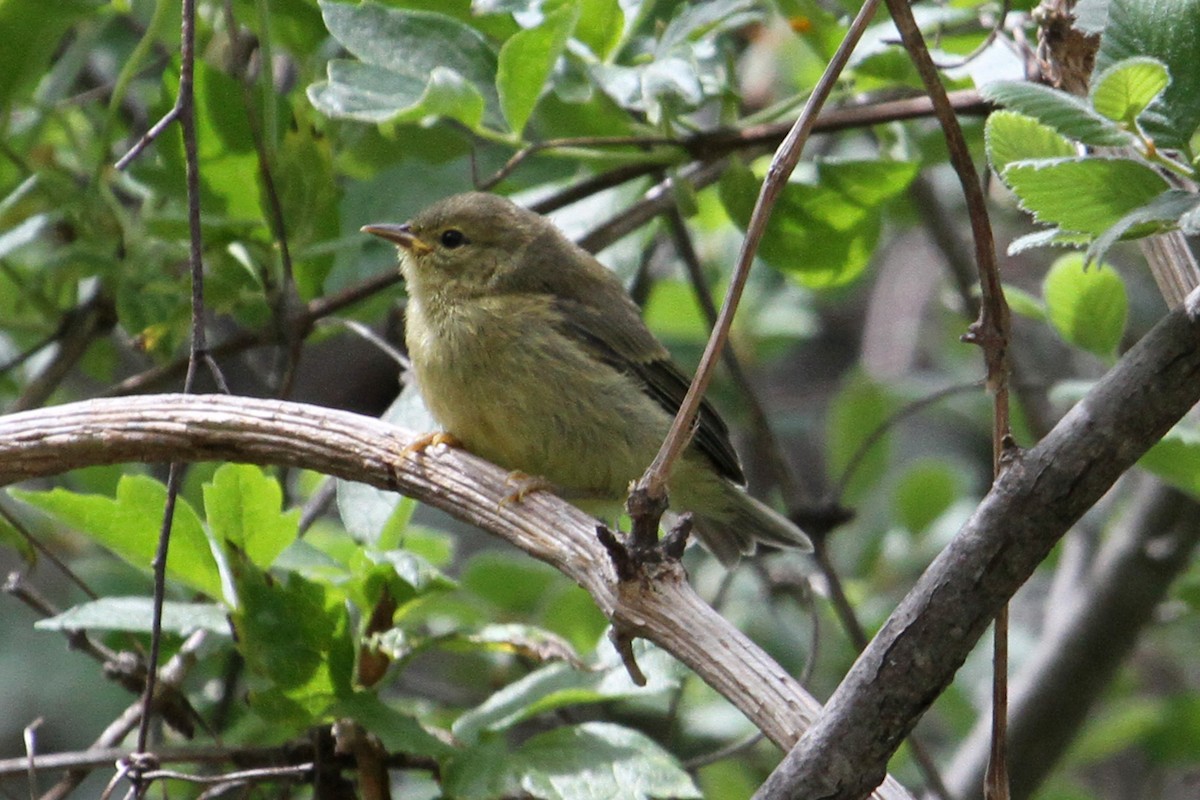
(997,26)
(990,332)
(767,442)
(148,137)
(185,106)
(653,482)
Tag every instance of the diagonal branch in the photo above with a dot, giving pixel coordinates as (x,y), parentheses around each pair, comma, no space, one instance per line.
(1033,503)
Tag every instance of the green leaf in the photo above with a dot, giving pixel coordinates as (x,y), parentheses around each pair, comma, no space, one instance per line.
(399,732)
(1049,237)
(1169,31)
(696,21)
(1063,112)
(1176,459)
(600,759)
(25,232)
(129,523)
(308,195)
(600,26)
(526,61)
(1011,136)
(135,614)
(1023,303)
(1162,213)
(295,637)
(926,490)
(1086,194)
(821,233)
(33,32)
(412,64)
(1123,91)
(243,504)
(857,411)
(559,684)
(1088,307)
(372,94)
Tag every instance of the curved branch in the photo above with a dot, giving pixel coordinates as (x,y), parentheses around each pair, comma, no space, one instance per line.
(219,427)
(1037,498)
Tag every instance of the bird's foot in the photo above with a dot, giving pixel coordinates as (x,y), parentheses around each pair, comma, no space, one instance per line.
(427,440)
(526,485)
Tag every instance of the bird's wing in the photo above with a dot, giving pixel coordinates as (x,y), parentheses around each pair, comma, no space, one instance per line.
(632,349)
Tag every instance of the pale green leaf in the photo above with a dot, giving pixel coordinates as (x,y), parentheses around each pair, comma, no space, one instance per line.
(135,615)
(1011,136)
(129,525)
(243,508)
(1169,31)
(1162,213)
(526,61)
(1087,306)
(1086,194)
(1063,112)
(600,759)
(1124,90)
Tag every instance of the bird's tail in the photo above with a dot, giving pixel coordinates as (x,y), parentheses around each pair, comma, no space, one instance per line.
(743,522)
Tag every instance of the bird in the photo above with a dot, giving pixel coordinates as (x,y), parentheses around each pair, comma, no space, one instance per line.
(530,353)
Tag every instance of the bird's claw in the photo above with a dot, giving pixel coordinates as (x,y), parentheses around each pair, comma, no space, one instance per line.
(427,440)
(526,485)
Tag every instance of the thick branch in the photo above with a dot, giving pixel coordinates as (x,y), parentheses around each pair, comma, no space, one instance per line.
(1033,503)
(156,428)
(1089,637)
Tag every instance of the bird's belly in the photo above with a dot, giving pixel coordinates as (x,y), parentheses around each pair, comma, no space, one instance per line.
(541,406)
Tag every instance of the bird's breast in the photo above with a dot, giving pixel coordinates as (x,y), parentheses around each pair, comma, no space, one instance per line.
(504,379)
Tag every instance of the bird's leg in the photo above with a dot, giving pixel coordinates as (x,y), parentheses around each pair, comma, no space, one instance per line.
(526,485)
(428,440)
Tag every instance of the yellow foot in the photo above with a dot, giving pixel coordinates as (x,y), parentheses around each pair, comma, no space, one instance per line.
(428,440)
(526,485)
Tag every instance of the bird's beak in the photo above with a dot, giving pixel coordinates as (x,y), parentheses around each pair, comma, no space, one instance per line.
(398,234)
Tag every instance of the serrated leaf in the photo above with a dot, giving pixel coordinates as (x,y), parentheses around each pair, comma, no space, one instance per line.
(128,525)
(1085,194)
(526,61)
(243,507)
(1011,136)
(1063,112)
(1087,306)
(135,615)
(1169,31)
(1050,237)
(1161,213)
(1124,90)
(295,637)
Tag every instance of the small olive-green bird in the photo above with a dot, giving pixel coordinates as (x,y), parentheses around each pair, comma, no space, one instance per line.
(531,354)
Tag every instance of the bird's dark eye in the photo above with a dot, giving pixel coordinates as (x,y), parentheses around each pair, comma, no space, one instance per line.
(453,238)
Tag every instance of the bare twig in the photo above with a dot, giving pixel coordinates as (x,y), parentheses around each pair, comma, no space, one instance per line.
(990,332)
(653,482)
